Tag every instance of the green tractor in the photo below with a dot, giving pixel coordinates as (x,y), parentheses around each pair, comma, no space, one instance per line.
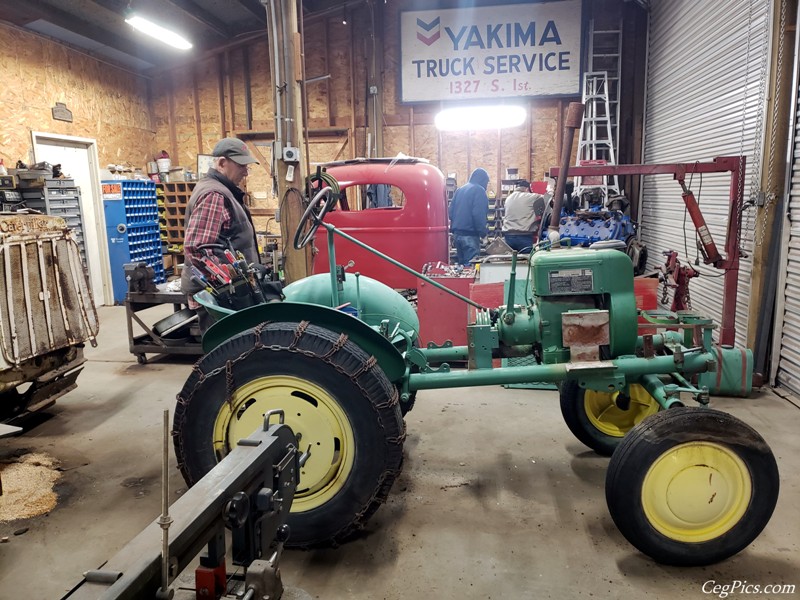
(686,486)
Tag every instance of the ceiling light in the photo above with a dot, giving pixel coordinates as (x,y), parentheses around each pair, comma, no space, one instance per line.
(160,33)
(473,118)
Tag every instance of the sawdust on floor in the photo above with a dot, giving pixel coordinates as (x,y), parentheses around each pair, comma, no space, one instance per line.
(28,487)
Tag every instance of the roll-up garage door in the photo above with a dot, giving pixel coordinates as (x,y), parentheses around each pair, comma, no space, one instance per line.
(706,82)
(788,317)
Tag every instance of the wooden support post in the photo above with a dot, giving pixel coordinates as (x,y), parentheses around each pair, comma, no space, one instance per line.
(198,126)
(326,70)
(354,142)
(469,154)
(773,177)
(173,136)
(223,126)
(411,141)
(248,100)
(529,153)
(229,73)
(439,143)
(499,181)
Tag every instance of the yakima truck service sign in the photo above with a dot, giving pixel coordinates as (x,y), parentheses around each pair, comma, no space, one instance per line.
(492,51)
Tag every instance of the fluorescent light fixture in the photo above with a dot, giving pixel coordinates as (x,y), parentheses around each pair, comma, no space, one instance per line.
(474,118)
(160,33)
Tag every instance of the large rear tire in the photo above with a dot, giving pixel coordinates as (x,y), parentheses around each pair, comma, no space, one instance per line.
(336,399)
(596,420)
(692,486)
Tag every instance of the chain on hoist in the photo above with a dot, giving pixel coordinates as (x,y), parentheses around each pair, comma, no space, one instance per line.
(687,299)
(744,208)
(771,195)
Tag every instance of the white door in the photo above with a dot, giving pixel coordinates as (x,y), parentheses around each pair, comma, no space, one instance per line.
(78,162)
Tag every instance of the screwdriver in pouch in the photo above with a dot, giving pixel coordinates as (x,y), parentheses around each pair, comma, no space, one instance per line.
(215,270)
(198,275)
(204,284)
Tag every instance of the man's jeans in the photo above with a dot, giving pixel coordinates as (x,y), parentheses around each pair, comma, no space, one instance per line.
(519,241)
(467,248)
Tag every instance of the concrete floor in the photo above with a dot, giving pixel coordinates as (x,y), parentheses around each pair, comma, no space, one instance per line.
(497,499)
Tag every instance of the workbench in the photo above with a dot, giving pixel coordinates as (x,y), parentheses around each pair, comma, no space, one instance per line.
(146,340)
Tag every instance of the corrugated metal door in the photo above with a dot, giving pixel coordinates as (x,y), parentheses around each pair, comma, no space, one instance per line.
(787,362)
(705,98)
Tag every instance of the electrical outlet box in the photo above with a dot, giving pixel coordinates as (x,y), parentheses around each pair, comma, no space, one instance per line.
(291,154)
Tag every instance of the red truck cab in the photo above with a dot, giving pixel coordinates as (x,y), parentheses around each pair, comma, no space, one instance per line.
(396,205)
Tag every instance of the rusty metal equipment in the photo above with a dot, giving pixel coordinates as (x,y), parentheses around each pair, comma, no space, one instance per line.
(676,277)
(46,312)
(346,377)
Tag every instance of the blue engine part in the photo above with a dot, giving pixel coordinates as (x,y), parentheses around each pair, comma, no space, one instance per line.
(585,227)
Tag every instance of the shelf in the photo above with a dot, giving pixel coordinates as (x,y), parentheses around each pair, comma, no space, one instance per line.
(176,198)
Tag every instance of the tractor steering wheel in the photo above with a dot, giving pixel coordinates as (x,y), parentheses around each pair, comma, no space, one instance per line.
(327,199)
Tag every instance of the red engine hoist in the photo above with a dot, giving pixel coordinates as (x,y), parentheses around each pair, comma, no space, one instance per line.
(735,165)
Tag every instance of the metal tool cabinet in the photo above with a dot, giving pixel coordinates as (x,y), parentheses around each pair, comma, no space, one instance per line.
(60,198)
(132,229)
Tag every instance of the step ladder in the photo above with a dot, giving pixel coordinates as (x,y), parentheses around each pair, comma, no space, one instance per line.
(598,135)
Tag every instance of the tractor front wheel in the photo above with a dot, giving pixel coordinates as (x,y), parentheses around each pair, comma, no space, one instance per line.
(336,399)
(692,486)
(597,420)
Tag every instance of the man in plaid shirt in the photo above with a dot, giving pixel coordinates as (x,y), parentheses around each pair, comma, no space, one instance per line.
(216,214)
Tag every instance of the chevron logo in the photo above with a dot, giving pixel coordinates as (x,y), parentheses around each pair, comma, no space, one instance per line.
(428,27)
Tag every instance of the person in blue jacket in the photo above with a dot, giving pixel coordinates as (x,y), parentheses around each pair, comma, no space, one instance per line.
(469,212)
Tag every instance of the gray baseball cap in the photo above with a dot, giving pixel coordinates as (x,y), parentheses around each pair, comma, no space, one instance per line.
(234,149)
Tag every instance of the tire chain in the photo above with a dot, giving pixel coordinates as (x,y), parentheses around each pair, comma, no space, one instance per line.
(381,492)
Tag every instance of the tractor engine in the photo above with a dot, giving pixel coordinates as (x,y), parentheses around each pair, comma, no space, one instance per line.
(580,306)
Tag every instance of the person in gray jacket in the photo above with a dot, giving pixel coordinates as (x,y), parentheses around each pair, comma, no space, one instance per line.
(523,216)
(217,214)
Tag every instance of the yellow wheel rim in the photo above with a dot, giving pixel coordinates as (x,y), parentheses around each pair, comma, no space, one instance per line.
(696,492)
(315,417)
(603,412)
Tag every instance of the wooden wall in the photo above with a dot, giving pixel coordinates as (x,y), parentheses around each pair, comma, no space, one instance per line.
(107,103)
(198,104)
(186,110)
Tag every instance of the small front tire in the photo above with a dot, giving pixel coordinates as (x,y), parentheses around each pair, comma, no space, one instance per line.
(692,486)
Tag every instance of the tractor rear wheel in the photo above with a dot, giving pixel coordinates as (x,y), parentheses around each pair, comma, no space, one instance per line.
(336,399)
(692,486)
(596,419)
